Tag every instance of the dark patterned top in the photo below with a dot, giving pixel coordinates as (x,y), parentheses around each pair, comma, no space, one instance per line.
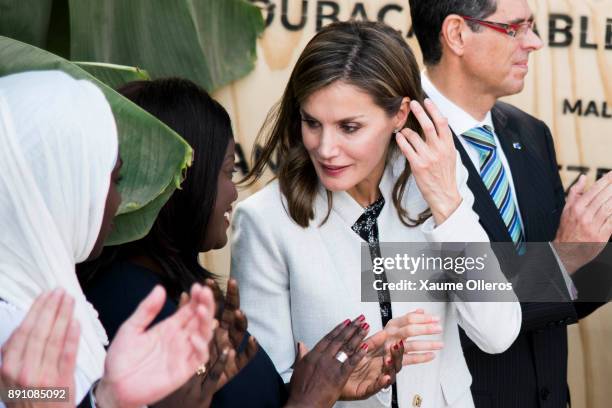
(367,228)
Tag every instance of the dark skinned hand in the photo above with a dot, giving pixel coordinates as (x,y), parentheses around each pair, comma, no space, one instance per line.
(374,372)
(225,362)
(319,378)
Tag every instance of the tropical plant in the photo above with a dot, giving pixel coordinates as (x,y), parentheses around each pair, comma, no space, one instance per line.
(195,39)
(155,157)
(211,42)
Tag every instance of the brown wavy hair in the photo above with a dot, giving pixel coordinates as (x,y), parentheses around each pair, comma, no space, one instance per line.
(369,55)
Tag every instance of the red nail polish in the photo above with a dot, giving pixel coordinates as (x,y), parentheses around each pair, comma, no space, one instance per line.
(361,318)
(401,342)
(364,346)
(389,362)
(396,347)
(365,326)
(347,322)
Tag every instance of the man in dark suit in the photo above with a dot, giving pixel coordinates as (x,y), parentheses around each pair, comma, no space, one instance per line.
(477,51)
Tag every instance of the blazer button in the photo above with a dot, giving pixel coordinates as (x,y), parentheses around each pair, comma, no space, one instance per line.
(417,401)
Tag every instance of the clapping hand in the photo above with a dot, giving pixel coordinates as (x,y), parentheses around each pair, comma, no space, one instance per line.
(586,223)
(377,370)
(319,377)
(200,389)
(414,324)
(225,361)
(433,160)
(388,353)
(145,364)
(229,335)
(235,322)
(142,365)
(42,351)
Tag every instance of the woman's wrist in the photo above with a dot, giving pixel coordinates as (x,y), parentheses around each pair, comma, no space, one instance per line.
(445,208)
(105,397)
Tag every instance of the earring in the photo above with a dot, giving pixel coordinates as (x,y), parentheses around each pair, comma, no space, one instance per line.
(396,131)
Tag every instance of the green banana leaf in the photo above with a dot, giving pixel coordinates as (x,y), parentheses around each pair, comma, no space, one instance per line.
(26,20)
(211,42)
(139,220)
(114,75)
(155,157)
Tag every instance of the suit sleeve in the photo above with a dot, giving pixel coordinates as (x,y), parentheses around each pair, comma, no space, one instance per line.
(492,325)
(554,169)
(600,267)
(258,266)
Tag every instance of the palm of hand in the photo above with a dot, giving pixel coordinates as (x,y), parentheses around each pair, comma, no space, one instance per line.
(365,379)
(148,362)
(57,381)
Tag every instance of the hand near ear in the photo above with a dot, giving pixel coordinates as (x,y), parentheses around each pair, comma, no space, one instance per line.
(432,160)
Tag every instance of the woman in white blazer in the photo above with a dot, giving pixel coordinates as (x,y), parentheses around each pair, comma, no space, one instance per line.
(343,181)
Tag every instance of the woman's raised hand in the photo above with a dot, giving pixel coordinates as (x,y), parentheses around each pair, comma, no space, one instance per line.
(145,364)
(433,160)
(415,324)
(42,350)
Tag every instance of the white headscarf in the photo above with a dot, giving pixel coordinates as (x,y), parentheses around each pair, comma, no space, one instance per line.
(58,146)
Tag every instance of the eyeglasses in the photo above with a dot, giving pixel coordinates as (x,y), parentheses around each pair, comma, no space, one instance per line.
(513,30)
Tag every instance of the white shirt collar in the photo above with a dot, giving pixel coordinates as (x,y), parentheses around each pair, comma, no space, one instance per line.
(459,120)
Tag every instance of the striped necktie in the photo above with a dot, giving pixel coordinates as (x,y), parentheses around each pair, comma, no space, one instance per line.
(495,179)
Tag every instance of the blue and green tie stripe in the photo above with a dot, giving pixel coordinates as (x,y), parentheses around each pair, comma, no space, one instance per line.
(496,181)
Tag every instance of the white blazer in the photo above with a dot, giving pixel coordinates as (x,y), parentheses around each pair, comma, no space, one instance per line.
(297,283)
